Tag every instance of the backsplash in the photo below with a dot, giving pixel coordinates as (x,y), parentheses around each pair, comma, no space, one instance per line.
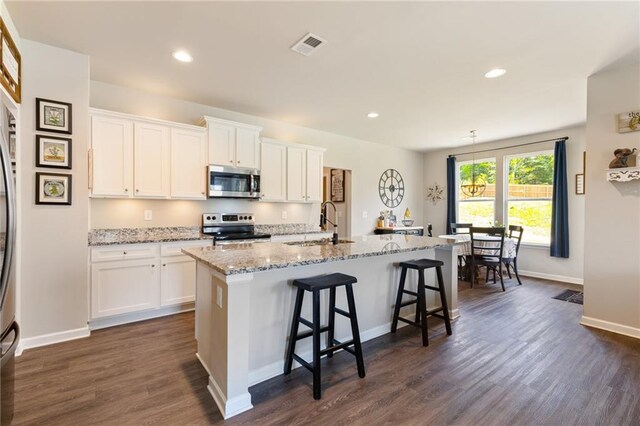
(287,228)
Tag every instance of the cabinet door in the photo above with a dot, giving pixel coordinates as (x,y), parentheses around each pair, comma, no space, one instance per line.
(247,148)
(112,147)
(122,287)
(273,172)
(222,144)
(152,160)
(296,174)
(188,164)
(178,280)
(314,176)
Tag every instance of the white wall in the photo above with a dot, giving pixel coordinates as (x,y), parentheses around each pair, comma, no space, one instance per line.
(53,280)
(612,254)
(532,260)
(366,160)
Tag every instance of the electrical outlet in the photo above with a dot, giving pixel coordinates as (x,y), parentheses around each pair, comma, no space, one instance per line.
(148,215)
(219,297)
(284,214)
(364,214)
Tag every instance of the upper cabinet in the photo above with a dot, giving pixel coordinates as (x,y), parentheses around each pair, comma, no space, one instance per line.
(233,144)
(273,171)
(135,157)
(314,175)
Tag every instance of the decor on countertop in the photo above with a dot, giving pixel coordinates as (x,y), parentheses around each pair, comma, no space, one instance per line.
(391,188)
(435,193)
(337,185)
(476,187)
(53,116)
(407,221)
(624,156)
(53,152)
(629,122)
(53,188)
(10,64)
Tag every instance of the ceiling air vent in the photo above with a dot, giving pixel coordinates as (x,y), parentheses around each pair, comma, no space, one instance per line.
(308,44)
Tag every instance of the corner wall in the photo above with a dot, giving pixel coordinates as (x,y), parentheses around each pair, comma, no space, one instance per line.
(612,255)
(532,260)
(54,279)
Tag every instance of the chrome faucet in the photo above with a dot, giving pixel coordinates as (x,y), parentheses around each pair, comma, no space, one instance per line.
(324,220)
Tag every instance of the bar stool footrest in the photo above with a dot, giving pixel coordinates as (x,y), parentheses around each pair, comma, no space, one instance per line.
(309,333)
(409,302)
(341,312)
(413,293)
(413,323)
(336,347)
(303,363)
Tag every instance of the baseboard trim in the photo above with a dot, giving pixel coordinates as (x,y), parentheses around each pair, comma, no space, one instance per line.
(52,338)
(229,407)
(98,323)
(611,326)
(552,277)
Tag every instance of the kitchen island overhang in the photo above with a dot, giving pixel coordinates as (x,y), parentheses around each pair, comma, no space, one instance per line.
(244,301)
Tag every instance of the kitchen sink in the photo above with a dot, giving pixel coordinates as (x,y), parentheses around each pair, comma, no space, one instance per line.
(323,242)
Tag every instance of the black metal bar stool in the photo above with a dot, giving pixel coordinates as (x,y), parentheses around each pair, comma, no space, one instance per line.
(420,298)
(314,285)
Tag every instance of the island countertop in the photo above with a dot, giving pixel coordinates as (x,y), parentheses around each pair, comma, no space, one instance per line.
(244,258)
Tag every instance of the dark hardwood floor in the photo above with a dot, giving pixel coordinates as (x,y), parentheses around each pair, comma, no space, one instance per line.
(515,358)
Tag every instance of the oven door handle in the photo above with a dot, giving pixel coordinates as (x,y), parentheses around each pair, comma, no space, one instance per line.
(6,356)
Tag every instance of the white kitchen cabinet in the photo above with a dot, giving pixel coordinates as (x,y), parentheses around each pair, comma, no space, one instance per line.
(152,160)
(273,172)
(112,155)
(233,144)
(296,174)
(124,286)
(178,280)
(314,175)
(188,164)
(304,174)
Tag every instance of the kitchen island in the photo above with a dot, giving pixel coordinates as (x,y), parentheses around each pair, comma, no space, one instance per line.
(244,301)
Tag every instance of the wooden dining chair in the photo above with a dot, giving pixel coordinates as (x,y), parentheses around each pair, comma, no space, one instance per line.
(487,246)
(515,233)
(461,228)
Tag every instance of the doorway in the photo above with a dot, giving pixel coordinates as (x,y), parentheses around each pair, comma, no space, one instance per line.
(336,187)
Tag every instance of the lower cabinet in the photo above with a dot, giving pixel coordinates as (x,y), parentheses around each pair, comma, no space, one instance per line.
(130,279)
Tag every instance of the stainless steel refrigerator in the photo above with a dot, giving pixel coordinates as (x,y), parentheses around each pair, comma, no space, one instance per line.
(10,332)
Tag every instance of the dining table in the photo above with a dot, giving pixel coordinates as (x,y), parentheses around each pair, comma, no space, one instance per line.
(509,250)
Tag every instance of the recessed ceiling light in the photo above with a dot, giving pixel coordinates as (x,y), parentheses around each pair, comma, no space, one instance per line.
(373,115)
(496,72)
(182,56)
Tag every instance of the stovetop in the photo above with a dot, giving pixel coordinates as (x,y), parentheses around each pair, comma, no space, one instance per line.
(231,226)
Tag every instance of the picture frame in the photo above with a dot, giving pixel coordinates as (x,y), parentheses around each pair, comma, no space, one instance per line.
(53,189)
(53,116)
(337,185)
(10,64)
(629,121)
(53,152)
(580,184)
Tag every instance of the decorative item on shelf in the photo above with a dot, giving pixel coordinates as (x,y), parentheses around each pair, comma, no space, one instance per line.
(629,122)
(53,116)
(407,221)
(435,193)
(393,220)
(476,187)
(10,64)
(53,188)
(337,185)
(623,174)
(624,158)
(391,188)
(53,152)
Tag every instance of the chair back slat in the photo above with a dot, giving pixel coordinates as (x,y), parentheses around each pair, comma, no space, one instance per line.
(515,232)
(460,228)
(484,242)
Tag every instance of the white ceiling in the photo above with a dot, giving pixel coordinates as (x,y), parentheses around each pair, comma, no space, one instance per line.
(420,65)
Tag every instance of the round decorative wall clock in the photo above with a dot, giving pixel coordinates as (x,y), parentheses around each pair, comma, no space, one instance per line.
(391,188)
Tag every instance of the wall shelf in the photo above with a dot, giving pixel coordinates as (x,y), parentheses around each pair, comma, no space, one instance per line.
(623,174)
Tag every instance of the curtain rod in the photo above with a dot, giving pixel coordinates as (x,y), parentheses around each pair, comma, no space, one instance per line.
(564,138)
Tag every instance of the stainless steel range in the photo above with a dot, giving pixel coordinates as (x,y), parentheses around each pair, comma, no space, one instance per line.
(232,228)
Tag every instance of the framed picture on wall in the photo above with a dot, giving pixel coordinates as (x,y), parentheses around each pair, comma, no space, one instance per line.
(53,152)
(337,185)
(53,189)
(580,184)
(53,116)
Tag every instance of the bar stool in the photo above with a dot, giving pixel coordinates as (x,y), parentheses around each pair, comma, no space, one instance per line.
(314,285)
(420,300)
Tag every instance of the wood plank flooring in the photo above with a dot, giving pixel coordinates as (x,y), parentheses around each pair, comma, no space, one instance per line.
(515,358)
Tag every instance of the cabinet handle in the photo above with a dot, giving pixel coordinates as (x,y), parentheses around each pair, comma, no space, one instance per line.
(126,190)
(153,266)
(202,193)
(124,252)
(164,264)
(238,162)
(137,190)
(231,161)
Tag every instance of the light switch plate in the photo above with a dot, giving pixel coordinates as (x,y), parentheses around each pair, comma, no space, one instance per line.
(284,214)
(148,215)
(219,297)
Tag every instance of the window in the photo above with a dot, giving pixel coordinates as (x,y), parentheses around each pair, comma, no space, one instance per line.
(530,188)
(479,210)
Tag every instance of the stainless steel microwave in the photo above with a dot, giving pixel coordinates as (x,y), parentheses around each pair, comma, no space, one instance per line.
(233,182)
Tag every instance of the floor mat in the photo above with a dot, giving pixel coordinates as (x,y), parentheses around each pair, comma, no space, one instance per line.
(572,296)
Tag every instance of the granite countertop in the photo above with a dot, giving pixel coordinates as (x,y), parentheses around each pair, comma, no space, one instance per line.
(399,227)
(289,229)
(234,259)
(106,237)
